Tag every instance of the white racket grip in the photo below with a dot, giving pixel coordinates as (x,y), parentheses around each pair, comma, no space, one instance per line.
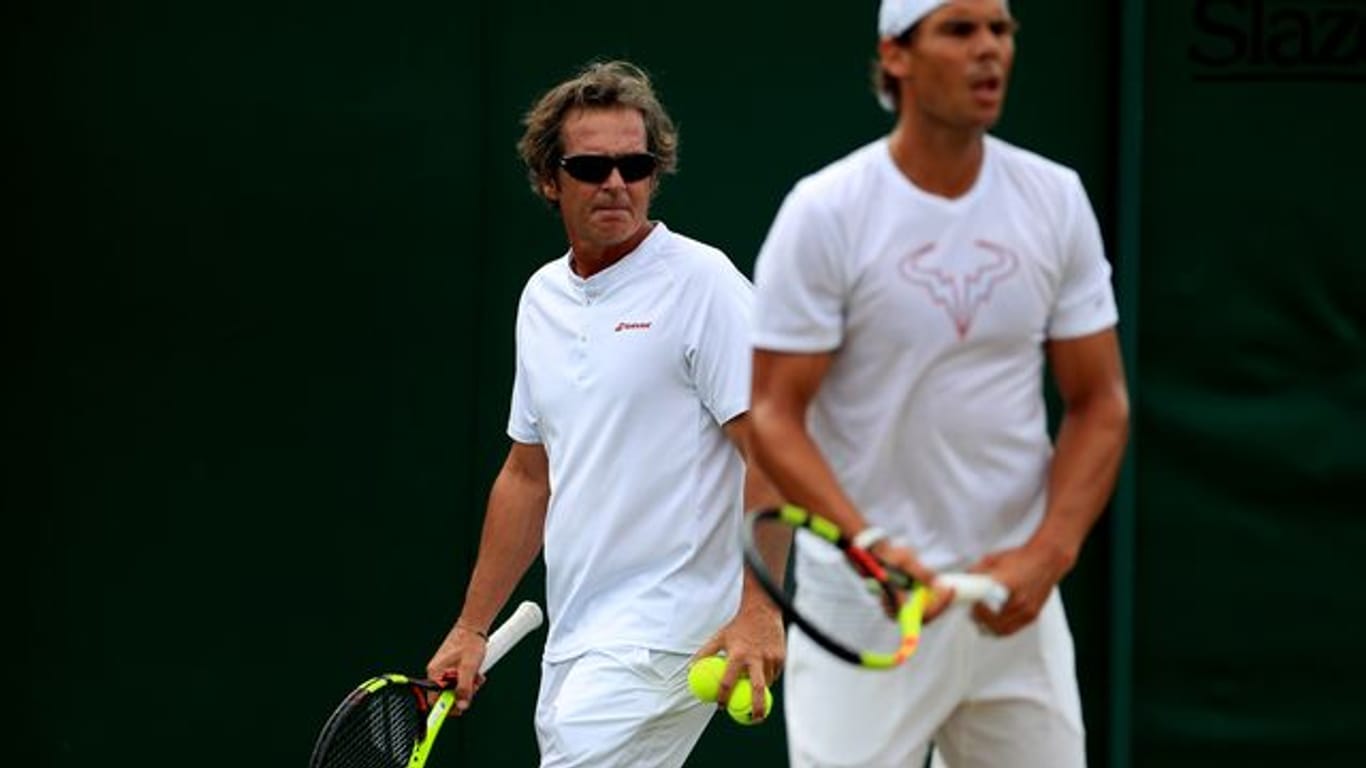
(526,618)
(974,588)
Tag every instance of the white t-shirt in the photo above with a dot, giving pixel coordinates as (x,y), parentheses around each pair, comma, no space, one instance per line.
(626,378)
(932,413)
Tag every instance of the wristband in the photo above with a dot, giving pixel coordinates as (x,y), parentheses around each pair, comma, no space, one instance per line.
(868,537)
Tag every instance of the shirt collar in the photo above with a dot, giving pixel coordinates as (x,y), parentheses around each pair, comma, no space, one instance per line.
(601,282)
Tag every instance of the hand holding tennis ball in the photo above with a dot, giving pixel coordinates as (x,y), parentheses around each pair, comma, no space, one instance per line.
(741,704)
(704,678)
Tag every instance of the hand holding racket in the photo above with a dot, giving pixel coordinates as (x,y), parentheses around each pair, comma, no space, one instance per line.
(387,722)
(1033,570)
(457,663)
(903,598)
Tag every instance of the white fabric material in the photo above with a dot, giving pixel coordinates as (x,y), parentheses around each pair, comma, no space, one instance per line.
(985,701)
(932,413)
(626,707)
(626,378)
(897,16)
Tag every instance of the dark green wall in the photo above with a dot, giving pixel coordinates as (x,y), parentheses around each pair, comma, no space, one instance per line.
(1251,466)
(255,295)
(260,331)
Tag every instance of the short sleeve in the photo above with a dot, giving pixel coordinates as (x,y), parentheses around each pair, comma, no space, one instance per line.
(799,283)
(523,425)
(1085,301)
(718,347)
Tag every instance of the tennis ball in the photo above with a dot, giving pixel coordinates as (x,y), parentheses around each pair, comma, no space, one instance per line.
(705,675)
(741,701)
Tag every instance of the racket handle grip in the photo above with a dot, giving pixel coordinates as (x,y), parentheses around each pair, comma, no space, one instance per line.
(526,618)
(974,588)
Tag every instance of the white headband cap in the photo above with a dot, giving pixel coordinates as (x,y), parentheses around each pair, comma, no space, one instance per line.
(897,16)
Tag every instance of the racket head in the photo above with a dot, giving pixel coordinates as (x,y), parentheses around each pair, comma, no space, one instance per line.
(902,597)
(377,725)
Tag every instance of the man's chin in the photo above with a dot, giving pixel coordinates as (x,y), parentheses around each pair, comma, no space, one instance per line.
(615,233)
(991,116)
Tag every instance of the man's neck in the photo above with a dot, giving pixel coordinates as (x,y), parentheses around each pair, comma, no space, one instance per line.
(940,160)
(587,260)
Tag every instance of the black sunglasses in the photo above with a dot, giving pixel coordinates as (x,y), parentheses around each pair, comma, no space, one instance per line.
(594,169)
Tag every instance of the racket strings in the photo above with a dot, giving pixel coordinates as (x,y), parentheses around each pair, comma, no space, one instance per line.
(885,583)
(377,731)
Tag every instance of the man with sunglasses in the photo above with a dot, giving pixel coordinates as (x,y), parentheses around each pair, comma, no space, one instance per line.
(908,298)
(629,427)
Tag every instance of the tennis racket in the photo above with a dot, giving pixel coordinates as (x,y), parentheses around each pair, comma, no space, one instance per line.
(386,722)
(902,597)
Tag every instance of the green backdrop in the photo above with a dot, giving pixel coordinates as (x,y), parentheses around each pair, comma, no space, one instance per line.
(265,262)
(1251,468)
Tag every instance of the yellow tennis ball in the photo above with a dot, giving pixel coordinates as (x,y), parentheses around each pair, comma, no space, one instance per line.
(705,675)
(741,701)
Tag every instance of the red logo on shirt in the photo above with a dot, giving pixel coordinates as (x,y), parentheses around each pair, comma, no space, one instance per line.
(961,292)
(631,327)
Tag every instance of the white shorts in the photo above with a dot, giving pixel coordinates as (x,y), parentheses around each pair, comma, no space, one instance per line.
(984,701)
(627,707)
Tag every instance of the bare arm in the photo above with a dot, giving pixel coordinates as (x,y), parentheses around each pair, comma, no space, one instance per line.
(773,543)
(784,385)
(1091,439)
(754,639)
(514,528)
(1090,445)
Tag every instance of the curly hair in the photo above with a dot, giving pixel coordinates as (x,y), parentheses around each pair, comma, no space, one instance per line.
(600,85)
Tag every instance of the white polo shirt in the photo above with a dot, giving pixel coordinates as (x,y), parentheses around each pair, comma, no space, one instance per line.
(626,378)
(932,413)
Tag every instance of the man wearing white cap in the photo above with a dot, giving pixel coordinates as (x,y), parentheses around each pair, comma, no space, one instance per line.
(908,297)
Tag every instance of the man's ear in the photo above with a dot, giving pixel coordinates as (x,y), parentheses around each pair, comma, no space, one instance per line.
(895,59)
(550,189)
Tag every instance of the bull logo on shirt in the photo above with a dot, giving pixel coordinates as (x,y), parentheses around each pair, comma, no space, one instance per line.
(963,287)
